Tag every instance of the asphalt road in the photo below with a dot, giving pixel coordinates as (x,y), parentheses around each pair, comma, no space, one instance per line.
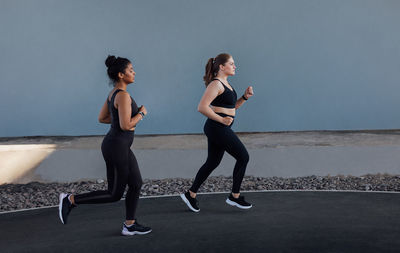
(278,222)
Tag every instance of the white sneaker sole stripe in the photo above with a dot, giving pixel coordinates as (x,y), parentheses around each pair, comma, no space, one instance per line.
(183,197)
(62,196)
(126,232)
(230,202)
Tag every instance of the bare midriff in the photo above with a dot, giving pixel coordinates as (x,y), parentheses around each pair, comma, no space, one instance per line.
(228,111)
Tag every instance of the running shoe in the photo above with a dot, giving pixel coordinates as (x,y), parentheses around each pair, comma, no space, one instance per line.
(135,229)
(238,202)
(65,207)
(192,203)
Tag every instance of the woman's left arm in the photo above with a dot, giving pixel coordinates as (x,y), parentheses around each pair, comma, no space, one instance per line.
(247,94)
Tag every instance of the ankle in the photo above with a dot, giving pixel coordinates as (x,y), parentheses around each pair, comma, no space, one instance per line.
(129,222)
(71,199)
(235,195)
(192,194)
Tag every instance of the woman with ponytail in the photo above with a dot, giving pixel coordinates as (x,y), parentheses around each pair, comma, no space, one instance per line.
(219,104)
(121,111)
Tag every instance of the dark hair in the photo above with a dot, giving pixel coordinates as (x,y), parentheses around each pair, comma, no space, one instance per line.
(115,66)
(212,66)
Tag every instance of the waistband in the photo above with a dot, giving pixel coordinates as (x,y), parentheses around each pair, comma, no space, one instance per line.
(118,133)
(224,115)
(216,123)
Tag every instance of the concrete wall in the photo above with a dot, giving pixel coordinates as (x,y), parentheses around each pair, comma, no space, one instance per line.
(293,154)
(314,64)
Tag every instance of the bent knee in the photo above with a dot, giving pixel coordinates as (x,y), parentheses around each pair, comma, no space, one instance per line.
(137,184)
(116,196)
(211,165)
(244,158)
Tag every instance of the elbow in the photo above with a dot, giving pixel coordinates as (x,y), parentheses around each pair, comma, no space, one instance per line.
(124,128)
(104,120)
(200,109)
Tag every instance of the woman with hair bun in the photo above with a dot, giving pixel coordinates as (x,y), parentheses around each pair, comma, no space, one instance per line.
(219,104)
(121,111)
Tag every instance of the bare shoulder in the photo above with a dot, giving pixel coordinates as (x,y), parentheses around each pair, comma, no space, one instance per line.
(215,84)
(110,94)
(122,97)
(122,94)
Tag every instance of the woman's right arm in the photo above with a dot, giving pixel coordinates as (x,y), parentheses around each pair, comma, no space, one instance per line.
(104,115)
(212,91)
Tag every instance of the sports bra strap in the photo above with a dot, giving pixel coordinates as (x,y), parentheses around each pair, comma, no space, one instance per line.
(114,94)
(217,80)
(226,87)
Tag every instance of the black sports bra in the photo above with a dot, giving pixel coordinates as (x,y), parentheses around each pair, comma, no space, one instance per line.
(226,99)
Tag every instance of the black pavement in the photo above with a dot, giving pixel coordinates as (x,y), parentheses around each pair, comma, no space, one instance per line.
(278,222)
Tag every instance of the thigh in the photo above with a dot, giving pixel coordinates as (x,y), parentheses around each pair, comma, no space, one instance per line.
(134,172)
(233,145)
(215,140)
(215,151)
(108,148)
(117,161)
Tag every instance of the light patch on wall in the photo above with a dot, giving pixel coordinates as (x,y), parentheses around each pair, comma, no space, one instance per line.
(19,161)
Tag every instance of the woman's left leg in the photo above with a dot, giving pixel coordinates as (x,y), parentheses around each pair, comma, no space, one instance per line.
(131,226)
(135,184)
(235,148)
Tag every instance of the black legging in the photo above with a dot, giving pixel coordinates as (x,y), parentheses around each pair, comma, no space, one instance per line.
(221,138)
(122,170)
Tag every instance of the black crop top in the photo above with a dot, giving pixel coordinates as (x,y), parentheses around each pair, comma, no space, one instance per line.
(114,111)
(226,99)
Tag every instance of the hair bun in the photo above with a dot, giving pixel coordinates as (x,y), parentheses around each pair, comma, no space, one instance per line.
(111,60)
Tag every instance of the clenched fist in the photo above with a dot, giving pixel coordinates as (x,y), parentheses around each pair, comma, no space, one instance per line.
(143,109)
(227,120)
(248,92)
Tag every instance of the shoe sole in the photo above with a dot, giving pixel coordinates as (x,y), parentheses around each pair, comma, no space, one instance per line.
(134,233)
(61,197)
(183,197)
(230,202)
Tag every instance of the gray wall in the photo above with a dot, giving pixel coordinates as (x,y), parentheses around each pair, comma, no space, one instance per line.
(314,64)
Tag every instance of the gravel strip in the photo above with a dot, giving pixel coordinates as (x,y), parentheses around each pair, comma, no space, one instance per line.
(22,196)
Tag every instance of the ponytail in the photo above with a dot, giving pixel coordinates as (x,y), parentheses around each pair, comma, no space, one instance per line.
(209,75)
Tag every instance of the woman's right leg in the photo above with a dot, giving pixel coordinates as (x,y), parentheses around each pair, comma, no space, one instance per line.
(116,156)
(215,154)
